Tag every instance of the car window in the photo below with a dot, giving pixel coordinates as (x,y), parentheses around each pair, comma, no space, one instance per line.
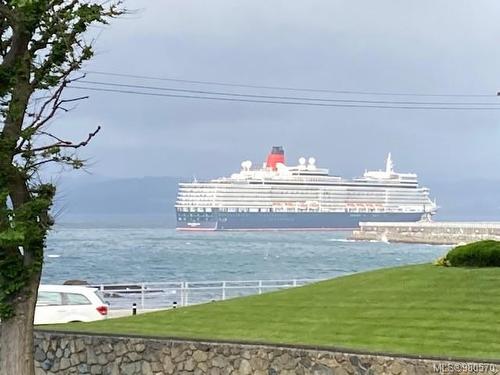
(75,299)
(98,295)
(49,299)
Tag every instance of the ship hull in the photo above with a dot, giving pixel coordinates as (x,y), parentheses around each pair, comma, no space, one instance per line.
(285,221)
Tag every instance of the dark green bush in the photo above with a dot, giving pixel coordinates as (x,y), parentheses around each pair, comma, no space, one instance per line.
(477,254)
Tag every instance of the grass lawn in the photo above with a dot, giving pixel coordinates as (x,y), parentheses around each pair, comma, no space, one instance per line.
(421,309)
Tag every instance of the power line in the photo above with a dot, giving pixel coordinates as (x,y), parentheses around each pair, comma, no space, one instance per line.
(285,88)
(232,94)
(298,103)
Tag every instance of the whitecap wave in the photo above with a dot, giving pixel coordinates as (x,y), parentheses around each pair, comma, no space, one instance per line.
(53,256)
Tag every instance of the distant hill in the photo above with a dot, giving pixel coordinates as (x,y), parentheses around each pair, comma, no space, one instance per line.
(136,201)
(149,201)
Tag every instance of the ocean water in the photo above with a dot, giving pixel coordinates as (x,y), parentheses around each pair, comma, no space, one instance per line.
(119,255)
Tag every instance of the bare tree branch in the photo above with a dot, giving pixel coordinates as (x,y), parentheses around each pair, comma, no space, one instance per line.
(35,166)
(56,102)
(54,98)
(55,137)
(57,105)
(66,144)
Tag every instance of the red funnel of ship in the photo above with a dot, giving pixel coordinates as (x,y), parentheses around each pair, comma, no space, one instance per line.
(276,156)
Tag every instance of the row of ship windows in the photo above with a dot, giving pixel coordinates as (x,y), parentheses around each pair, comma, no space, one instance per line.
(378,206)
(289,202)
(310,193)
(297,186)
(304,197)
(304,191)
(191,217)
(204,211)
(239,203)
(305,194)
(224,209)
(301,193)
(260,199)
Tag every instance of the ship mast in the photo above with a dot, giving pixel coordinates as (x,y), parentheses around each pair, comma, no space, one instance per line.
(389,165)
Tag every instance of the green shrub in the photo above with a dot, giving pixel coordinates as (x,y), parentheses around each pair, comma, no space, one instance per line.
(477,254)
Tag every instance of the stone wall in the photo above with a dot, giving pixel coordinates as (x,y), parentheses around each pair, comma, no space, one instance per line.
(58,353)
(428,232)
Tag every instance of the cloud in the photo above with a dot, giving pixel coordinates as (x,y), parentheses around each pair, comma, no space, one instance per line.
(424,46)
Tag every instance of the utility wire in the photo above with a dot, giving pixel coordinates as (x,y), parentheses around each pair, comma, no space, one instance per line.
(232,94)
(285,88)
(298,103)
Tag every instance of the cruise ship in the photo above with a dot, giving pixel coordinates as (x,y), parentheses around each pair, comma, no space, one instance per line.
(301,197)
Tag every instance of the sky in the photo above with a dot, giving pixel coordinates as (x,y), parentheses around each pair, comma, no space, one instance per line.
(435,47)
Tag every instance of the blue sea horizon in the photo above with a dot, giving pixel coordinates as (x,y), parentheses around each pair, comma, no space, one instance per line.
(151,252)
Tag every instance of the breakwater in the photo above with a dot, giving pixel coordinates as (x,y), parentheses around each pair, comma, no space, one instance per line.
(66,353)
(428,232)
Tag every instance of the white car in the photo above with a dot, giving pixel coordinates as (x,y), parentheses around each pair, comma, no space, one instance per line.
(67,303)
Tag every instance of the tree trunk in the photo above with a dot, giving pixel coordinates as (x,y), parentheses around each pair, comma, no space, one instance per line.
(16,335)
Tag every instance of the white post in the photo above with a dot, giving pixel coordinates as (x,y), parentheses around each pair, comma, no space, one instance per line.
(143,290)
(186,295)
(101,288)
(260,286)
(294,282)
(223,290)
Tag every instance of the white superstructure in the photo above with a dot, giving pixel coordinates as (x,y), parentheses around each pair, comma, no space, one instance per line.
(306,188)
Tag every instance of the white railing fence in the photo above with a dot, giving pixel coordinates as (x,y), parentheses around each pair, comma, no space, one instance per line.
(151,295)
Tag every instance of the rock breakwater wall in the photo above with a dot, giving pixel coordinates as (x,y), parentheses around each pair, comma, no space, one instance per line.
(428,232)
